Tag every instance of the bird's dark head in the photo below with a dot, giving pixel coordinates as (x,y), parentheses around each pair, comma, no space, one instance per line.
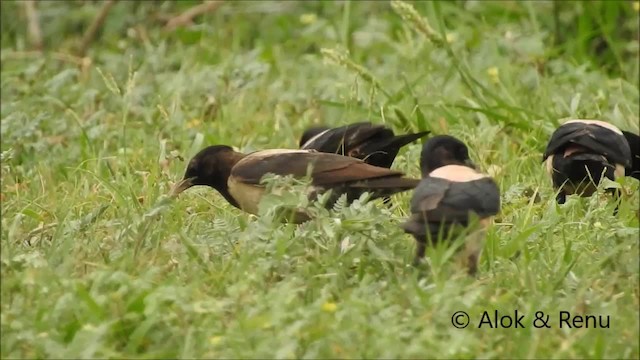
(443,150)
(310,133)
(210,167)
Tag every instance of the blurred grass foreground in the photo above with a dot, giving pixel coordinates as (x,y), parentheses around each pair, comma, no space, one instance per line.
(103,102)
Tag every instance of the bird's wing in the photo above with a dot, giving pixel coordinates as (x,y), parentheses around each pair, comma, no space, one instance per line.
(428,194)
(326,169)
(634,144)
(443,200)
(341,139)
(596,138)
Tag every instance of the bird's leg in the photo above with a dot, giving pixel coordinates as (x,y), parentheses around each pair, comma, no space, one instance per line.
(472,264)
(617,196)
(421,247)
(474,243)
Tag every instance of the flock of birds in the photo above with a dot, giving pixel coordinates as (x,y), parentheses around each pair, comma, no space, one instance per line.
(451,199)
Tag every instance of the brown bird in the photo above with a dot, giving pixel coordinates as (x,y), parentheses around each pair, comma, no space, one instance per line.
(375,144)
(237,176)
(450,198)
(581,152)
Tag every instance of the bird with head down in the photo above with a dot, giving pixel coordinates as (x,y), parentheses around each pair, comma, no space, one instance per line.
(580,153)
(375,144)
(237,176)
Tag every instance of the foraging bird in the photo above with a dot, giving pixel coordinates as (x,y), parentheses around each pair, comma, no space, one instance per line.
(237,176)
(634,144)
(375,144)
(580,152)
(450,198)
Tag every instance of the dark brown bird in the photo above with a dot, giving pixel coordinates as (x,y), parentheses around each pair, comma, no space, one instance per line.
(237,176)
(634,144)
(581,152)
(451,198)
(375,144)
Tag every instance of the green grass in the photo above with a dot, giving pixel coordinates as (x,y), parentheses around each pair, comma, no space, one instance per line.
(96,262)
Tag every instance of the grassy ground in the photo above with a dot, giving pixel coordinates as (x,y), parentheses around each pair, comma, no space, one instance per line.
(96,262)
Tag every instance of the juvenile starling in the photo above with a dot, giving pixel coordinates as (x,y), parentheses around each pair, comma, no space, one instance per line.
(237,176)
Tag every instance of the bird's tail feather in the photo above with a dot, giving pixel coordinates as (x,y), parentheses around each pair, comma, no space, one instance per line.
(402,140)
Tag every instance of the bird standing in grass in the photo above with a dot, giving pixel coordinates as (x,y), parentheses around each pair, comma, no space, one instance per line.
(375,144)
(451,198)
(237,177)
(633,140)
(581,152)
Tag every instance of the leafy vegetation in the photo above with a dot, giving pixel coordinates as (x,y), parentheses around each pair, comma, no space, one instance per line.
(97,262)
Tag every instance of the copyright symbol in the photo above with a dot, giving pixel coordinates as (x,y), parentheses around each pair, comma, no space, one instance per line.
(460,319)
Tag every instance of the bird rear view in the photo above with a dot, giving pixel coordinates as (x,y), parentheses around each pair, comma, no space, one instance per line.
(375,144)
(581,152)
(452,198)
(634,143)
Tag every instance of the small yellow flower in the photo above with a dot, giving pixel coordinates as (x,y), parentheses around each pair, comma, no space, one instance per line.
(329,307)
(215,340)
(451,37)
(194,123)
(636,6)
(493,73)
(308,18)
(509,35)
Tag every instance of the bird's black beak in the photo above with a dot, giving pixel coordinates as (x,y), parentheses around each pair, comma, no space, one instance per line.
(181,186)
